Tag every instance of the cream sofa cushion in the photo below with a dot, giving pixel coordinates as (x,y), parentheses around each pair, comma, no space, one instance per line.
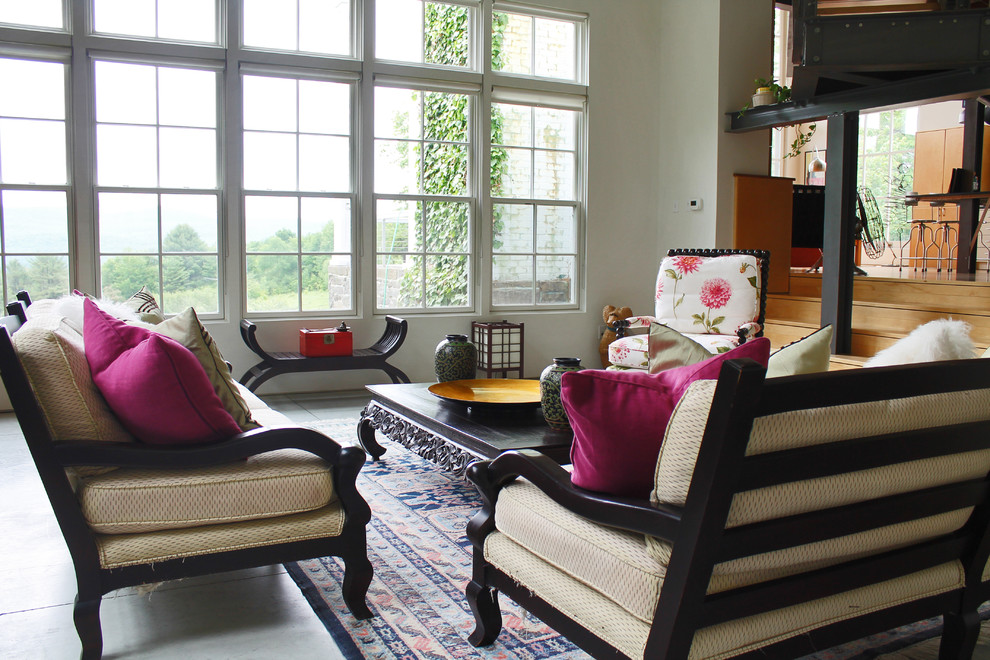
(277,483)
(187,329)
(682,441)
(611,561)
(50,348)
(612,622)
(118,550)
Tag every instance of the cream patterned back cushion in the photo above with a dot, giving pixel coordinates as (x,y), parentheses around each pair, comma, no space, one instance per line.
(51,350)
(679,453)
(708,295)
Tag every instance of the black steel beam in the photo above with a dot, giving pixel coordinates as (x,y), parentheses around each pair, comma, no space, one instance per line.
(840,222)
(942,86)
(969,210)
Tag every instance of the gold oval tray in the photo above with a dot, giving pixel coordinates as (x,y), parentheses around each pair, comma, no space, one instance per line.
(489,392)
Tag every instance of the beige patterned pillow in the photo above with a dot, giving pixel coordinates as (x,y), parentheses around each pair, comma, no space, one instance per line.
(187,329)
(143,302)
(51,350)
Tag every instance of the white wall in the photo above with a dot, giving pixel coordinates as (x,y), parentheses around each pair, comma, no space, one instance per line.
(710,52)
(622,239)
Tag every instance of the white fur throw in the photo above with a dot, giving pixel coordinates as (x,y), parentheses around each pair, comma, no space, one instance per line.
(943,339)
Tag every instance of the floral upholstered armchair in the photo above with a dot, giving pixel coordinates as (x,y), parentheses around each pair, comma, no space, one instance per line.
(716,298)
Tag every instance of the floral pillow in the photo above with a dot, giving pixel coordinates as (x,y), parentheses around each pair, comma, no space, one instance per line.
(708,295)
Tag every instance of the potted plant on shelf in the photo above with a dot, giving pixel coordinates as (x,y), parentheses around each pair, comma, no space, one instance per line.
(769,91)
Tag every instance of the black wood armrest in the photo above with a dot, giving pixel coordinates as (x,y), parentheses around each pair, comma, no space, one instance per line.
(634,515)
(250,443)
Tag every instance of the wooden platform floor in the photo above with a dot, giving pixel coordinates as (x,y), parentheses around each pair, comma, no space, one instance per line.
(884,309)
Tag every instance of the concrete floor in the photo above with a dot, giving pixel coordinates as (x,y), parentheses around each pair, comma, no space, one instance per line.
(257,613)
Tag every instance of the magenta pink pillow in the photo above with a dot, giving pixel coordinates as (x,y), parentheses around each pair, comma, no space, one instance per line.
(619,418)
(155,385)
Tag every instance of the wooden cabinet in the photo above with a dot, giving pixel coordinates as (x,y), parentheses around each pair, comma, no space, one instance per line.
(935,232)
(762,221)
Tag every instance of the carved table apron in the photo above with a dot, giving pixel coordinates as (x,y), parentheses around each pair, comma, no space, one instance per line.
(453,435)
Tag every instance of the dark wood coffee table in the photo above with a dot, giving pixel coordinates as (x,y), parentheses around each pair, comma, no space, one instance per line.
(451,434)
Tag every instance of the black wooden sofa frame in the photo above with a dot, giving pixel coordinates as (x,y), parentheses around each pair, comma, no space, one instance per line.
(51,458)
(374,357)
(699,540)
(762,257)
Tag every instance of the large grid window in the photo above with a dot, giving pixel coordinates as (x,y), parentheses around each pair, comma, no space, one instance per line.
(423,214)
(297,139)
(156,175)
(294,158)
(534,218)
(34,229)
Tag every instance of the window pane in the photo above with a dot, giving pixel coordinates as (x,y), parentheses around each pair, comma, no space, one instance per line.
(326,225)
(512,125)
(512,228)
(132,17)
(188,20)
(44,276)
(36,13)
(555,129)
(512,280)
(399,281)
(337,272)
(32,89)
(325,26)
(555,172)
(399,30)
(536,46)
(269,103)
(34,221)
(271,223)
(397,113)
(445,169)
(189,223)
(122,276)
(324,163)
(447,280)
(515,177)
(447,227)
(190,281)
(126,93)
(126,156)
(556,229)
(396,166)
(270,24)
(269,161)
(128,223)
(555,277)
(187,97)
(272,283)
(324,107)
(555,49)
(32,151)
(314,26)
(188,158)
(396,230)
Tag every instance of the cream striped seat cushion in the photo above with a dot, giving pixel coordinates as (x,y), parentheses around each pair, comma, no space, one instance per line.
(278,483)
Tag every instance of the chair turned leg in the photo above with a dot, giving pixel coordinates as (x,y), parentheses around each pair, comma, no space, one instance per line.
(86,616)
(357,578)
(959,635)
(487,616)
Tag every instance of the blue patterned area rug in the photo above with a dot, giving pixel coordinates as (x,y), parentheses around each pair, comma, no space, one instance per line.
(422,562)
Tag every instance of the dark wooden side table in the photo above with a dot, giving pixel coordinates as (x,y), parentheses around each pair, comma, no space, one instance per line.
(374,357)
(451,434)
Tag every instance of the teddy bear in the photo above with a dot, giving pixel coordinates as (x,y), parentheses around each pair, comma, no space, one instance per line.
(610,315)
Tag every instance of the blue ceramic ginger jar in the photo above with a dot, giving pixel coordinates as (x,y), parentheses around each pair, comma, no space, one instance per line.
(553,409)
(455,359)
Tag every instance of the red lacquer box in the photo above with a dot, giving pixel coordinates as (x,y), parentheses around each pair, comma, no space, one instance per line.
(325,341)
